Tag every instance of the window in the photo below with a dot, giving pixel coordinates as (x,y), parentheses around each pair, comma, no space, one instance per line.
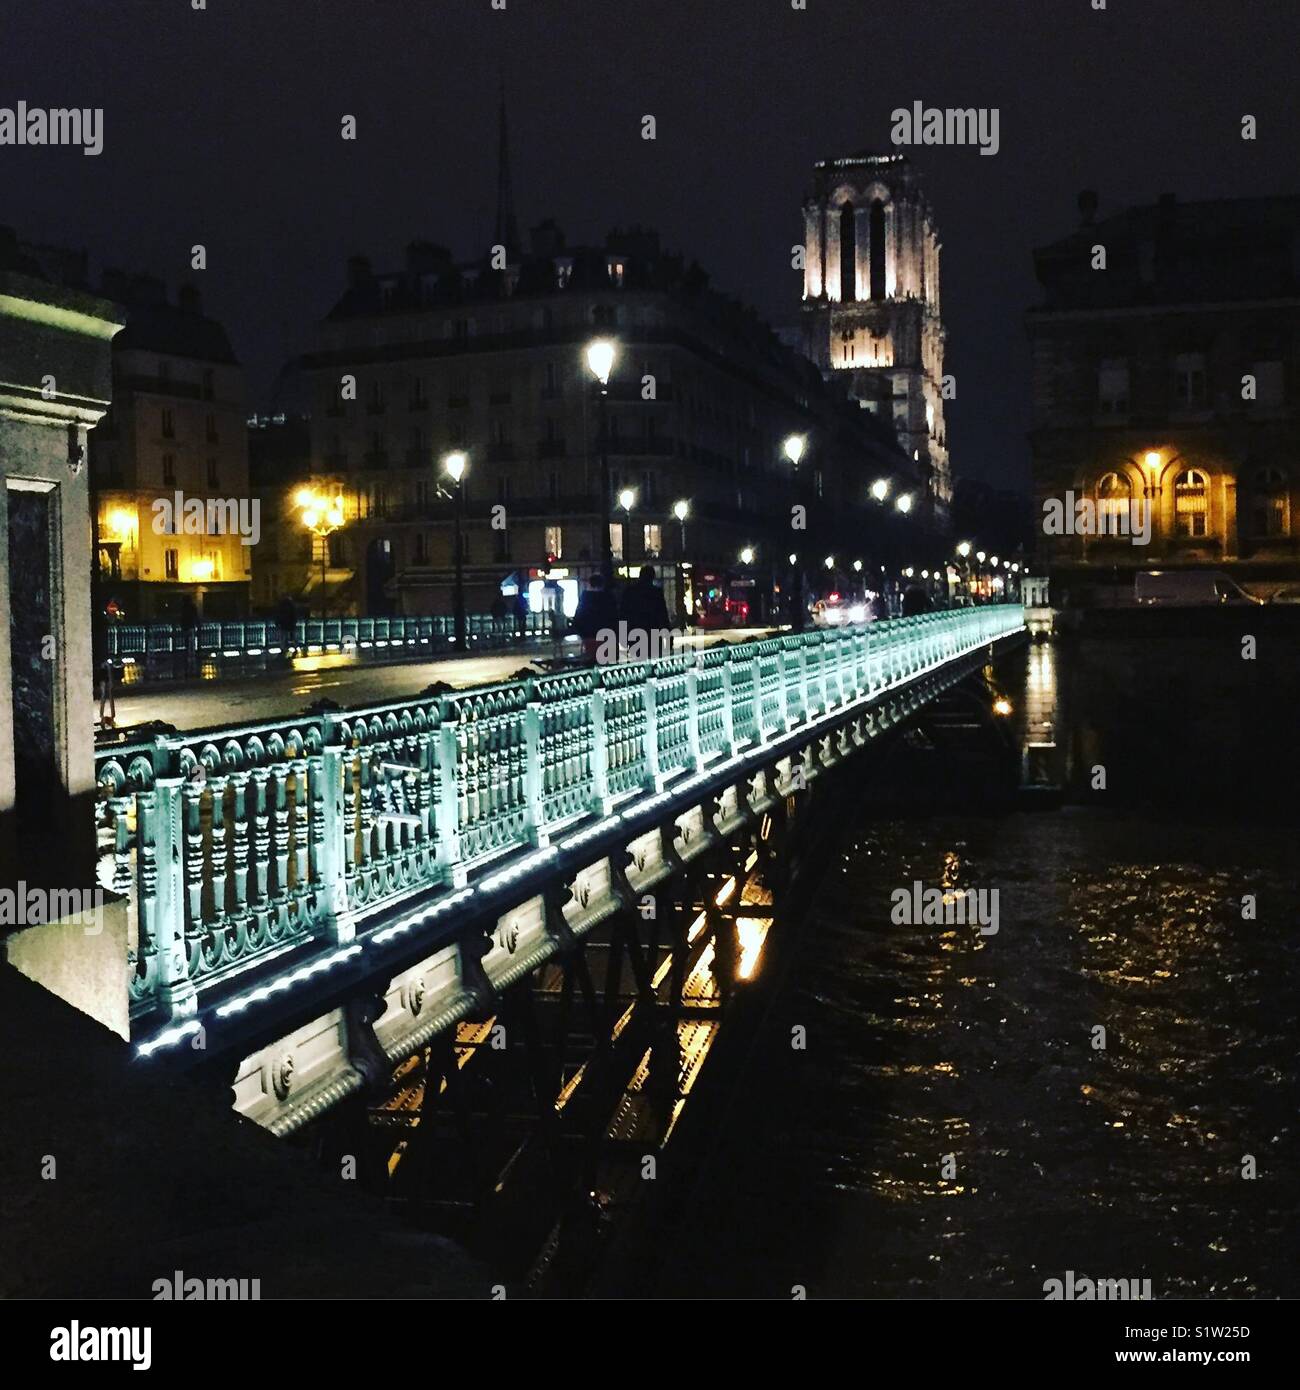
(502,545)
(1268,384)
(555,540)
(1114,494)
(1189,381)
(421,556)
(212,428)
(552,385)
(169,469)
(652,537)
(1191,498)
(418,400)
(553,486)
(616,270)
(1270,513)
(208,383)
(375,398)
(503,489)
(168,425)
(172,564)
(616,539)
(213,480)
(876,238)
(1112,387)
(848,255)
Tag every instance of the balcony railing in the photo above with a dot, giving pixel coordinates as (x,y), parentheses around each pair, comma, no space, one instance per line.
(253,841)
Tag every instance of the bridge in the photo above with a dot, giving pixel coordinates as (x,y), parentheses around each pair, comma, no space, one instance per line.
(314,899)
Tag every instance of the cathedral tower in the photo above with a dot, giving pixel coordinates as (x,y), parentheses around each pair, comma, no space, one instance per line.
(871,300)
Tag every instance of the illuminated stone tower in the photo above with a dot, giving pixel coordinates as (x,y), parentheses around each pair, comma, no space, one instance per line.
(871,300)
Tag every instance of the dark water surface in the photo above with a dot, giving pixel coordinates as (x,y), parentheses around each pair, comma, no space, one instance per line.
(927,1041)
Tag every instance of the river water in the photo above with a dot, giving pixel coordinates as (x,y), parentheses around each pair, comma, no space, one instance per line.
(952,1129)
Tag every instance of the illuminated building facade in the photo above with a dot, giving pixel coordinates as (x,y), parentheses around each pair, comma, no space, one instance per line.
(871,314)
(176,426)
(1166,375)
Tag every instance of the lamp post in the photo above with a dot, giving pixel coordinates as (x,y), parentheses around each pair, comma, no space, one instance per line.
(681,510)
(321,516)
(454,465)
(600,362)
(794,447)
(627,500)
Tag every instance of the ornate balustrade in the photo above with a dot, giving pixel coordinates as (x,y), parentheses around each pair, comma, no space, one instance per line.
(256,636)
(239,844)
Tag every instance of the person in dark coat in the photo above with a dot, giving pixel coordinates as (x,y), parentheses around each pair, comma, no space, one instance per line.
(645,610)
(597,612)
(521,612)
(915,600)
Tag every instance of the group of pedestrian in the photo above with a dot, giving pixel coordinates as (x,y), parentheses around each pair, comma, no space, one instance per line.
(641,610)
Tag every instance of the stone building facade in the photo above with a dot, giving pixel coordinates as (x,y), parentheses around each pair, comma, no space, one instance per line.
(177,426)
(488,357)
(1166,382)
(871,311)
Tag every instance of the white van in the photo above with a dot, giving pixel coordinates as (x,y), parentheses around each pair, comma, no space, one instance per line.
(1188,587)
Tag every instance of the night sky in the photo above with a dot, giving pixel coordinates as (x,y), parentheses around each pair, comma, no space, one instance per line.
(222,127)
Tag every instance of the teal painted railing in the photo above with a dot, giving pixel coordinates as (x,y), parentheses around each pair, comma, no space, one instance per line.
(240,843)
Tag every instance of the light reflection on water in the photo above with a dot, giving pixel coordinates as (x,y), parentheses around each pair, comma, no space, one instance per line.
(929,1041)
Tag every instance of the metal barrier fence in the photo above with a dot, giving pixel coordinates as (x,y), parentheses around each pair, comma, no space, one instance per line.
(237,844)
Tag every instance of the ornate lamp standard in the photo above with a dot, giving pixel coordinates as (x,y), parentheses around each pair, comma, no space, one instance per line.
(600,362)
(627,500)
(794,448)
(454,466)
(322,517)
(681,510)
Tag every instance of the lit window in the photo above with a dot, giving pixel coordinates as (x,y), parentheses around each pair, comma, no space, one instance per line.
(616,539)
(555,541)
(1191,498)
(1112,387)
(1189,381)
(653,540)
(1113,497)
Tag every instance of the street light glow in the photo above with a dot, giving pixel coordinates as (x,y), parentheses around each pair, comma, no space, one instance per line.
(794,559)
(904,503)
(857,566)
(794,447)
(830,562)
(1152,458)
(747,555)
(963,549)
(626,499)
(455,464)
(979,555)
(600,359)
(681,509)
(880,489)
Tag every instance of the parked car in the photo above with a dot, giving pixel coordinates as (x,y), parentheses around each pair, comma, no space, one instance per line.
(836,611)
(1188,588)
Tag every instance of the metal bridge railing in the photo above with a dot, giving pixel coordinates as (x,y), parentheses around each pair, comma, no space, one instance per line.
(240,843)
(141,642)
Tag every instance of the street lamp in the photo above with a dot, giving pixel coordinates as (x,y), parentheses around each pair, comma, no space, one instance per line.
(600,362)
(880,489)
(963,549)
(794,447)
(747,555)
(904,502)
(454,466)
(681,510)
(322,516)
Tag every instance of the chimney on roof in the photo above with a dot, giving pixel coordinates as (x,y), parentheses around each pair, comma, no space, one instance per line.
(1087,206)
(546,239)
(189,299)
(423,258)
(358,271)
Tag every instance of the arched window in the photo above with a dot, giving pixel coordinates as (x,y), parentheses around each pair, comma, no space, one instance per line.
(1191,503)
(877,224)
(848,255)
(1270,510)
(1114,494)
